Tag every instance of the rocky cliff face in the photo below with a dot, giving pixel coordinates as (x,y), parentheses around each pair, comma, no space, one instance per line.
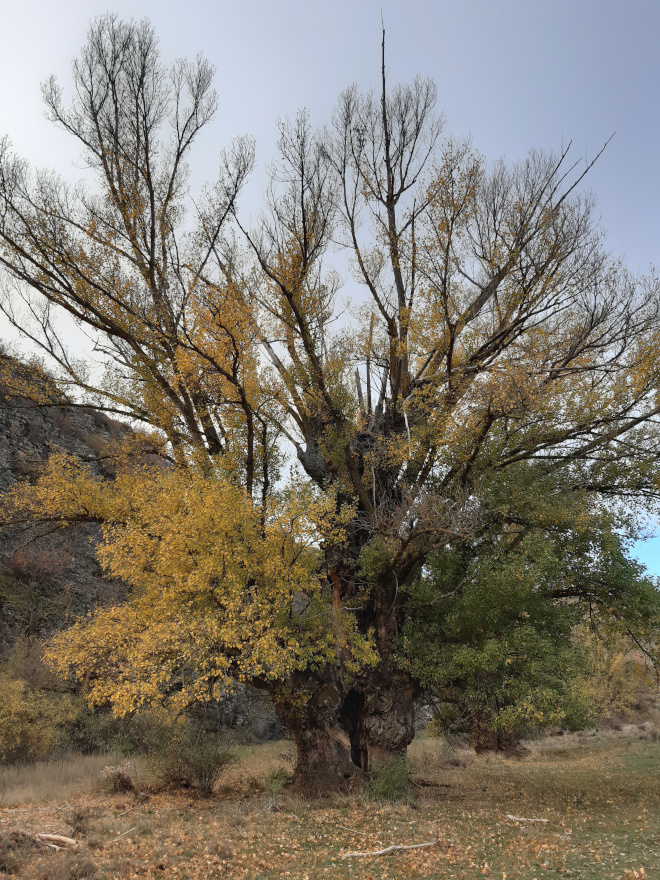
(47,576)
(50,577)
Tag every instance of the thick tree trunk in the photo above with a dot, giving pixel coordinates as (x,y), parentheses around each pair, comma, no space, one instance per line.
(325,760)
(386,724)
(352,722)
(345,734)
(485,739)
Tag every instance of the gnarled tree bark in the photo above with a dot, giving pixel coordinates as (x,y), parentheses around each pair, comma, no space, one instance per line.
(346,731)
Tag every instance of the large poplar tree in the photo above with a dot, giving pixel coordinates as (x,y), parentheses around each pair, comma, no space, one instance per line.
(482,330)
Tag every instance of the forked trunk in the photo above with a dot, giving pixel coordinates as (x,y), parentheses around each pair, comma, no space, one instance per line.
(484,739)
(345,735)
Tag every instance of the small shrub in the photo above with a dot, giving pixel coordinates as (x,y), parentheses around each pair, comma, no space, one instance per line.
(76,866)
(277,780)
(618,678)
(390,782)
(80,820)
(117,780)
(39,561)
(25,661)
(95,731)
(190,757)
(28,467)
(40,719)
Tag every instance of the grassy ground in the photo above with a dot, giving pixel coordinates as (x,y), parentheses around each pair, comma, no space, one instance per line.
(600,797)
(44,780)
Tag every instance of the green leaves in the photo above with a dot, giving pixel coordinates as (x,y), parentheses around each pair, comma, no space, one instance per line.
(491,628)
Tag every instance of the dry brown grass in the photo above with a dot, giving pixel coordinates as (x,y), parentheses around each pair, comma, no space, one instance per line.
(599,795)
(47,780)
(255,765)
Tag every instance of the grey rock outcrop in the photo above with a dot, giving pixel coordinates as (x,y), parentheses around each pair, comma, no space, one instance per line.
(48,575)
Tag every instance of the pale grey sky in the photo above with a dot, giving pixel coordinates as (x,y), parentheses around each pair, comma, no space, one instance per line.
(515,74)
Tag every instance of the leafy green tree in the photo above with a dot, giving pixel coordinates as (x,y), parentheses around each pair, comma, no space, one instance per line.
(491,632)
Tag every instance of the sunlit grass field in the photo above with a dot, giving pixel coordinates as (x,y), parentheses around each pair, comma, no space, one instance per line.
(599,797)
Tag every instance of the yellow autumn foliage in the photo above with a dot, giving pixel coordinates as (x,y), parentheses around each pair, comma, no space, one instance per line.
(619,677)
(31,720)
(213,578)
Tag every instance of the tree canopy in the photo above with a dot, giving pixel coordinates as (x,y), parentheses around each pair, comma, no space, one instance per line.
(486,336)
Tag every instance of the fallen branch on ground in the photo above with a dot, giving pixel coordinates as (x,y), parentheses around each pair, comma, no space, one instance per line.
(58,838)
(389,849)
(520,819)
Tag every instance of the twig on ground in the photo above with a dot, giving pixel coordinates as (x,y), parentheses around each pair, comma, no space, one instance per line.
(355,830)
(121,835)
(126,812)
(521,819)
(390,849)
(427,783)
(271,803)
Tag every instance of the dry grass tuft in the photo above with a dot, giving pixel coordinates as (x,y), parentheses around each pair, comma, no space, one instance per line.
(15,846)
(75,866)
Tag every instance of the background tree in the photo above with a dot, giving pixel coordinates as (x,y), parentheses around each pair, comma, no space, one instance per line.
(490,329)
(505,632)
